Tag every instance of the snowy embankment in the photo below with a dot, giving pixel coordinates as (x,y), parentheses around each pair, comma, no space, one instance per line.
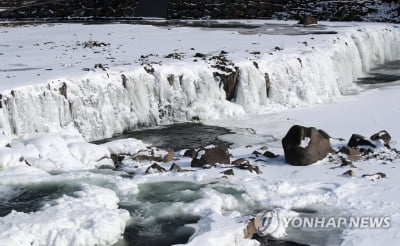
(274,72)
(303,70)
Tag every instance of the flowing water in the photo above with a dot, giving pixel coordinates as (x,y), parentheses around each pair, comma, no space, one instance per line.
(30,198)
(177,136)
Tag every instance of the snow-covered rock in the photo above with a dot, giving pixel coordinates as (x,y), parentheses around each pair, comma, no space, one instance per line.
(128,146)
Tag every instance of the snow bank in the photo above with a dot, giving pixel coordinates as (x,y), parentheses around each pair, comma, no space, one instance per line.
(55,152)
(10,158)
(87,153)
(91,217)
(128,146)
(305,70)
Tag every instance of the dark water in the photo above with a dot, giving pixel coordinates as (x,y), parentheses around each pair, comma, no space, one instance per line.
(157,222)
(385,73)
(176,136)
(154,222)
(31,198)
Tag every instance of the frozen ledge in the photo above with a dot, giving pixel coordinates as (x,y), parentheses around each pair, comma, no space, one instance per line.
(102,104)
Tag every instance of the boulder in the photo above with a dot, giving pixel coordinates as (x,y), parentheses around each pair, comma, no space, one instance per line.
(211,155)
(382,135)
(305,145)
(351,153)
(308,20)
(357,140)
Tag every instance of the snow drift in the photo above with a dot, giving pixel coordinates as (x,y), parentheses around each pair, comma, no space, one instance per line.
(102,104)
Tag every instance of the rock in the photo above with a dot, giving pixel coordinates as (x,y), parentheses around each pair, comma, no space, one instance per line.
(357,140)
(63,90)
(250,229)
(211,155)
(245,164)
(351,153)
(190,153)
(308,20)
(264,148)
(267,84)
(349,173)
(269,154)
(117,159)
(382,135)
(240,162)
(305,145)
(154,154)
(176,167)
(228,172)
(256,153)
(229,82)
(255,169)
(346,162)
(155,168)
(374,176)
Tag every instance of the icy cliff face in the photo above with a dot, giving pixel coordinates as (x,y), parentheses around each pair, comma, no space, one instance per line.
(103,104)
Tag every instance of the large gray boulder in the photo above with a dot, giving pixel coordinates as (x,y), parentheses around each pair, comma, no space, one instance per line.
(305,145)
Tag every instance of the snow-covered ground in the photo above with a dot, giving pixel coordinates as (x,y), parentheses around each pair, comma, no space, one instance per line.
(45,84)
(311,69)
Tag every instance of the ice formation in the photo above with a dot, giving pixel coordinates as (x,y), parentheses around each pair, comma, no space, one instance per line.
(102,104)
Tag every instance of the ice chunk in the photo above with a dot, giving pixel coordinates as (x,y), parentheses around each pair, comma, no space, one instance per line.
(128,146)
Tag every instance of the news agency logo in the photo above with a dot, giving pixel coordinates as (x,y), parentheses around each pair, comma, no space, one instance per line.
(267,222)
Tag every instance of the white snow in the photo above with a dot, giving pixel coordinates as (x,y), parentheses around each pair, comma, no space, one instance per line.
(129,146)
(90,217)
(310,69)
(98,105)
(9,158)
(305,142)
(87,153)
